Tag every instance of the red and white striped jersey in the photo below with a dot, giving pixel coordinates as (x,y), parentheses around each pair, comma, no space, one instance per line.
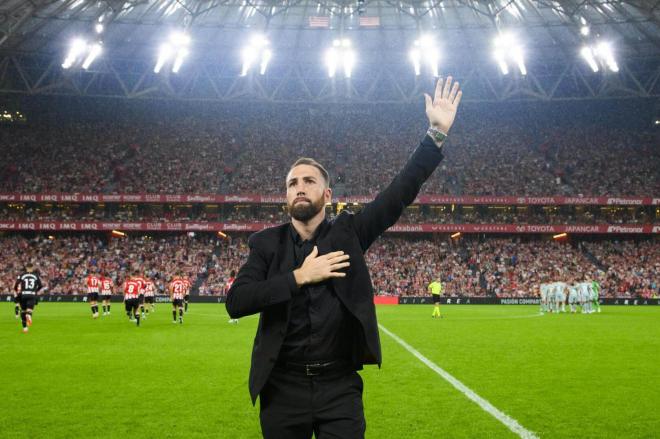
(131,289)
(106,286)
(150,289)
(177,289)
(187,284)
(93,283)
(142,282)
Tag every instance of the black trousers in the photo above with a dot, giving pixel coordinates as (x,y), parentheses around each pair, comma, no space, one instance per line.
(294,405)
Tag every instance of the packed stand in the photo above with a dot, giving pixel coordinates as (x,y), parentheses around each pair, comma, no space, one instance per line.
(631,268)
(500,151)
(417,214)
(65,261)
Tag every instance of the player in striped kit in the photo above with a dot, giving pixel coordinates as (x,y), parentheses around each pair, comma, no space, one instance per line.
(188,285)
(142,283)
(107,285)
(177,289)
(149,297)
(93,283)
(27,286)
(132,299)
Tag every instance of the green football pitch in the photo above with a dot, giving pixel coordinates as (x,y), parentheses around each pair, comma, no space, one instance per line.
(558,376)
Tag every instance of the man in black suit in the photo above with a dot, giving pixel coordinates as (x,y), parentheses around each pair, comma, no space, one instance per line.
(309,280)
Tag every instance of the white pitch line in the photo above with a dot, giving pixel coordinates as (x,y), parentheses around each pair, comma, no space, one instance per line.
(489,408)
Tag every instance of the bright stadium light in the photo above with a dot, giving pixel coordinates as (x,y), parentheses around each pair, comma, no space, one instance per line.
(98,28)
(425,49)
(604,51)
(501,62)
(509,50)
(257,50)
(77,50)
(180,56)
(340,55)
(599,54)
(331,60)
(176,49)
(81,52)
(94,51)
(265,59)
(588,56)
(415,57)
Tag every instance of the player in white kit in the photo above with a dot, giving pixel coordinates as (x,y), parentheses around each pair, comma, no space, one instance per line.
(560,296)
(543,289)
(585,297)
(573,297)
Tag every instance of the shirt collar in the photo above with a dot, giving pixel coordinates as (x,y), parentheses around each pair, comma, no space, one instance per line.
(297,238)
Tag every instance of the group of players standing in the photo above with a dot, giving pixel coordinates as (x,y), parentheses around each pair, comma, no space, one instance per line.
(139,294)
(555,295)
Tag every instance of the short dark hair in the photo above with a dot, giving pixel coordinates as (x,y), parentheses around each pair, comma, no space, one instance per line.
(317,165)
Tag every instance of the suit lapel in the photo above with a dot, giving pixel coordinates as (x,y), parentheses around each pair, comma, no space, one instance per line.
(285,258)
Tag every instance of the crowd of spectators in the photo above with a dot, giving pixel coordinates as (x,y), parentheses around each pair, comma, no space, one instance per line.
(65,261)
(249,151)
(399,265)
(278,214)
(501,267)
(631,269)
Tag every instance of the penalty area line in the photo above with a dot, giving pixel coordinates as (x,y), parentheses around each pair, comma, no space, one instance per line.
(486,406)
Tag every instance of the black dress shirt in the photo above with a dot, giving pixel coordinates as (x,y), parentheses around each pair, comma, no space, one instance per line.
(319,324)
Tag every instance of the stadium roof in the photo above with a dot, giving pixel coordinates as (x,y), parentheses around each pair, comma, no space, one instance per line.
(382,31)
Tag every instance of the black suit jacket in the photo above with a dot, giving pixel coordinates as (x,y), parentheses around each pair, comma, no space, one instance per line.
(265,283)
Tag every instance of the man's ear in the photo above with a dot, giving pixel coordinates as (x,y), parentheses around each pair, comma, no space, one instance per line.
(327,193)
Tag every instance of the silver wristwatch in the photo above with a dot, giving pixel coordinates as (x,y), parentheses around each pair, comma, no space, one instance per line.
(437,135)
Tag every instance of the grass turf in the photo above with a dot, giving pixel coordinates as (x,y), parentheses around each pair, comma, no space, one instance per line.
(557,375)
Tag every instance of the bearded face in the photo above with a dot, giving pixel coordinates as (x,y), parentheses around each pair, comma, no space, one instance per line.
(306,193)
(303,209)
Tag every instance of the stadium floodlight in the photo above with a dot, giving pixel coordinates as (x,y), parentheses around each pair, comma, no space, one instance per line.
(600,53)
(266,55)
(508,49)
(77,50)
(588,56)
(94,51)
(415,57)
(98,28)
(331,60)
(81,52)
(257,50)
(340,55)
(180,56)
(176,48)
(425,49)
(501,62)
(604,51)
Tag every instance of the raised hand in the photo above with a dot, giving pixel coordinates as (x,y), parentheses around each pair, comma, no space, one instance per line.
(317,268)
(441,110)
